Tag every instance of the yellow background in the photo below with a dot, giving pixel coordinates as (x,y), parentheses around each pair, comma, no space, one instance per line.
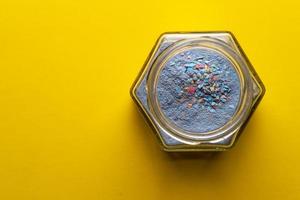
(69,129)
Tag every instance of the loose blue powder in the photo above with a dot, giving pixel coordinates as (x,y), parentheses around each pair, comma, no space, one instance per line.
(198,90)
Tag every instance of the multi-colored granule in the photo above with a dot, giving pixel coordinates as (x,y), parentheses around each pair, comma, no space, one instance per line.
(198,90)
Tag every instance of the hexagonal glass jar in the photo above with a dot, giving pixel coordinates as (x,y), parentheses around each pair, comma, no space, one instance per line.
(197,90)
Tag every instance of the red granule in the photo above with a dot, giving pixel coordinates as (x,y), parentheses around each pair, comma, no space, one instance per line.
(191,89)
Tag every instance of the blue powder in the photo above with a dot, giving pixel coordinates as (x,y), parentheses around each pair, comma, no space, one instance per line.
(198,90)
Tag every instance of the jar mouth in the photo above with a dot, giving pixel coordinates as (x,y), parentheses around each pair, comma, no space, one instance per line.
(245,98)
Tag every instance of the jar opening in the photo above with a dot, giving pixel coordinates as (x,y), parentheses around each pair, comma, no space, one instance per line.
(198,89)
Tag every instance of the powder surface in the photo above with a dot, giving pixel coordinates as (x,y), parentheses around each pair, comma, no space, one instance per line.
(198,90)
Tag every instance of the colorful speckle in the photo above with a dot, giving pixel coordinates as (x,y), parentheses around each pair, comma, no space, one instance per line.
(198,90)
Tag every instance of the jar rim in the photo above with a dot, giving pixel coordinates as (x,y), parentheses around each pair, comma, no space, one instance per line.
(245,97)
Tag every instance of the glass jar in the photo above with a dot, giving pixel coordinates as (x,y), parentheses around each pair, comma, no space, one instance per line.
(197,90)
